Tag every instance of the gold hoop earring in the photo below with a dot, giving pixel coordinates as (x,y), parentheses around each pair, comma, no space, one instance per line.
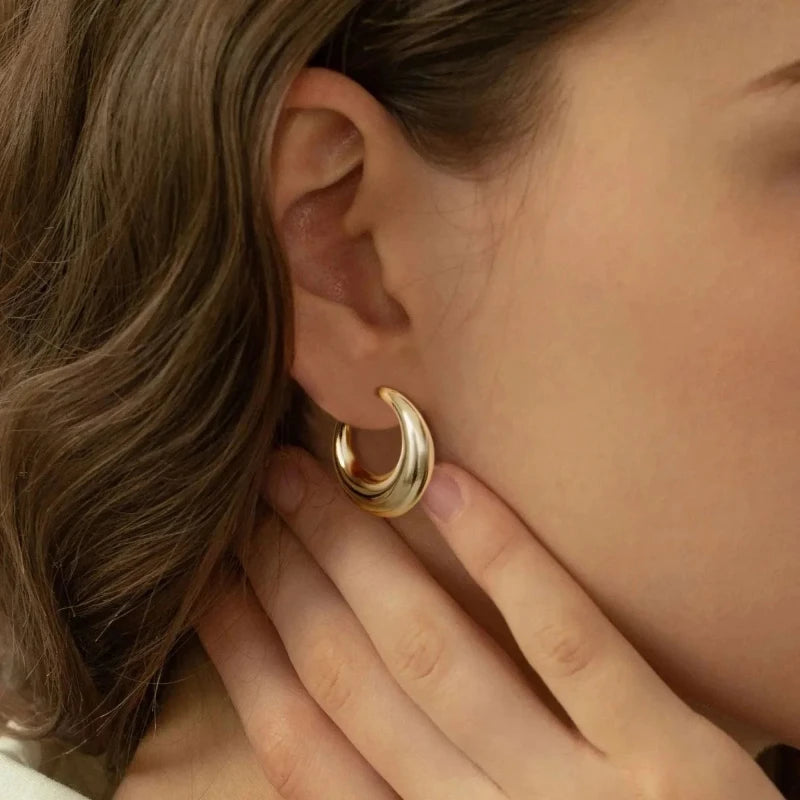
(396,492)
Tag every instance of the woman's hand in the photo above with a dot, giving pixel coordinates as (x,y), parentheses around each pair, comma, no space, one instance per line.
(390,689)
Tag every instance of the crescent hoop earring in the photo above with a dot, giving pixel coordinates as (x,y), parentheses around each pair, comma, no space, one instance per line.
(396,492)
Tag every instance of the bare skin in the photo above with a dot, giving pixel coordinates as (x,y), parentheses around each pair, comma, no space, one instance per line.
(279,739)
(619,317)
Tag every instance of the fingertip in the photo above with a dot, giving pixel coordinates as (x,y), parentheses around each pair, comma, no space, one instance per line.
(444,498)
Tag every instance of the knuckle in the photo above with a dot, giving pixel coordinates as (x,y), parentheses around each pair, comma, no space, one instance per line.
(566,648)
(329,674)
(419,652)
(282,757)
(636,784)
(654,780)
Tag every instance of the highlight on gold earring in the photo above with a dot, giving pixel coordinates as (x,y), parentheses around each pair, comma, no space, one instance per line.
(398,491)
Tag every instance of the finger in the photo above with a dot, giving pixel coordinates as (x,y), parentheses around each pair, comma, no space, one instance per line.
(452,669)
(341,670)
(303,754)
(614,697)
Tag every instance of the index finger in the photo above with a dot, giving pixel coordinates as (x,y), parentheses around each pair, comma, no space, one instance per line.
(614,697)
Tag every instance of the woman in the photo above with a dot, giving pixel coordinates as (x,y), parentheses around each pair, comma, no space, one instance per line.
(566,230)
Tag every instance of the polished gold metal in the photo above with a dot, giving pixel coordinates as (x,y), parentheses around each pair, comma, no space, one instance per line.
(396,492)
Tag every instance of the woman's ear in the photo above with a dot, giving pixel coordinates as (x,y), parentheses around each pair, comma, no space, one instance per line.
(351,334)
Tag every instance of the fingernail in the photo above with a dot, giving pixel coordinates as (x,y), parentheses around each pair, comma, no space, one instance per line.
(442,499)
(285,483)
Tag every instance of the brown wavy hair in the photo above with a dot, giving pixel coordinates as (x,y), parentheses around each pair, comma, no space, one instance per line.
(146,309)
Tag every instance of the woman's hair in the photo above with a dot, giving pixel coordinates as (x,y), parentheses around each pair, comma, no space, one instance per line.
(145,308)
